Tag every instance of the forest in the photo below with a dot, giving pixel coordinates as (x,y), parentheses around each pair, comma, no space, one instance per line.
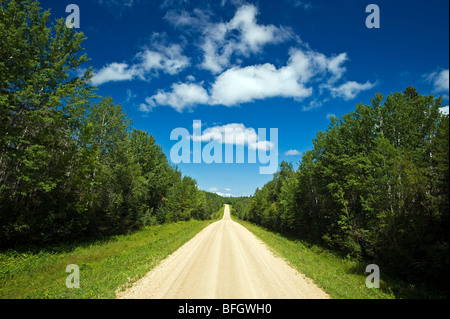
(374,186)
(71,163)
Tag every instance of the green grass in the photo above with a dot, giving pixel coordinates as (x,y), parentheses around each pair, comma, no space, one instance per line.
(105,266)
(339,277)
(115,263)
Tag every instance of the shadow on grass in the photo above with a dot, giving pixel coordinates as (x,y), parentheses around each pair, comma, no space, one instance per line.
(391,283)
(67,245)
(81,241)
(402,288)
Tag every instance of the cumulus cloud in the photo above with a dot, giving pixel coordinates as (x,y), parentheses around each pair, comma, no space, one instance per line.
(234,86)
(216,191)
(444,110)
(197,19)
(252,35)
(306,72)
(160,57)
(292,153)
(440,80)
(336,68)
(239,85)
(130,95)
(197,124)
(183,95)
(169,59)
(224,194)
(220,41)
(240,36)
(115,72)
(350,89)
(235,134)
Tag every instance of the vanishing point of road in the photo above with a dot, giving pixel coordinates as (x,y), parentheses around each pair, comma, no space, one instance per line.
(224,261)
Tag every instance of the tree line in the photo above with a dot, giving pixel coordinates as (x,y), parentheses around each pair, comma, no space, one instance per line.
(71,164)
(374,186)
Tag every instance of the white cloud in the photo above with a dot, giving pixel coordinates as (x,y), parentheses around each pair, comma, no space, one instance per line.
(444,110)
(220,41)
(330,115)
(183,95)
(440,80)
(197,19)
(190,78)
(146,107)
(254,36)
(335,67)
(216,191)
(315,103)
(350,89)
(114,72)
(236,134)
(130,95)
(212,60)
(256,82)
(240,85)
(166,58)
(237,85)
(292,153)
(197,124)
(306,71)
(169,59)
(224,195)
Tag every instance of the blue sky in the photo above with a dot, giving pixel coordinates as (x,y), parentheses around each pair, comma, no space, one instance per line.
(285,64)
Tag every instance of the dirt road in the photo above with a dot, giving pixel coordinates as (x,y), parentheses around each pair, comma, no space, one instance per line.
(223,261)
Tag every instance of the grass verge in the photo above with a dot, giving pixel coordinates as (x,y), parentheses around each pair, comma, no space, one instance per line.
(340,278)
(104,265)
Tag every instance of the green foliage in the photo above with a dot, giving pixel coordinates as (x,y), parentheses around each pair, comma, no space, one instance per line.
(40,107)
(239,205)
(71,164)
(374,187)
